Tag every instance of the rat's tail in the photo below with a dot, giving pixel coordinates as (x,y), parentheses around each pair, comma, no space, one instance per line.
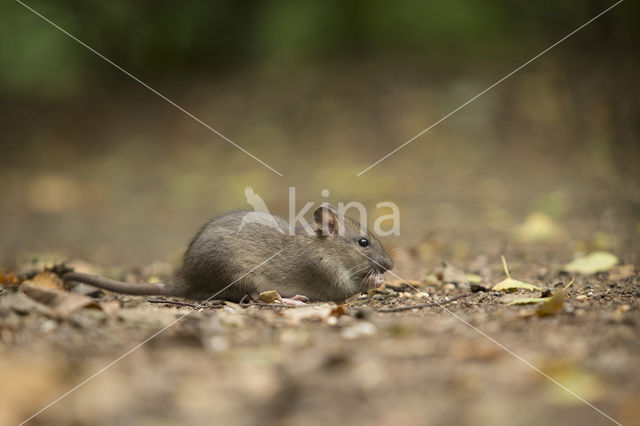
(150,289)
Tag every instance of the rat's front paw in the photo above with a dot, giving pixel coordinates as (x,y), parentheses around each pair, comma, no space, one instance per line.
(297,300)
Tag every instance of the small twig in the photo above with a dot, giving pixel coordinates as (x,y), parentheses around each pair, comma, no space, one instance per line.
(275,305)
(421,305)
(190,305)
(172,302)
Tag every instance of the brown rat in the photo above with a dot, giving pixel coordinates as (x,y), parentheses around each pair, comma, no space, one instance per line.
(338,260)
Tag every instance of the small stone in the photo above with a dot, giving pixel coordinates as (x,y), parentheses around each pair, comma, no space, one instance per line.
(581,297)
(48,326)
(217,344)
(360,329)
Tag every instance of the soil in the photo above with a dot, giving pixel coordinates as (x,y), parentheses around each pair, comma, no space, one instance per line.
(475,360)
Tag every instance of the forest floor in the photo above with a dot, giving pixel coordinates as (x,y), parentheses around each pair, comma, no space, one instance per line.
(473,360)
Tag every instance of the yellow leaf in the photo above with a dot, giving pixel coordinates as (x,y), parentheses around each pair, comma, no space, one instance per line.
(509,284)
(555,302)
(598,261)
(474,278)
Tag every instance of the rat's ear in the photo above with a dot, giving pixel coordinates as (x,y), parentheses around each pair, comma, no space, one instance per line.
(326,217)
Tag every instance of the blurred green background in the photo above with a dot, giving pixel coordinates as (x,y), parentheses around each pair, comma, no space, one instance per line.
(95,166)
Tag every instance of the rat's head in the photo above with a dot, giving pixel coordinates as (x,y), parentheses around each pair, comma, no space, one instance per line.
(362,257)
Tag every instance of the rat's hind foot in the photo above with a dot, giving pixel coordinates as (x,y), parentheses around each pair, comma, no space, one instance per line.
(297,300)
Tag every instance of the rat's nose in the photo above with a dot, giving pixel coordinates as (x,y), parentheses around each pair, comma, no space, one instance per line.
(385,262)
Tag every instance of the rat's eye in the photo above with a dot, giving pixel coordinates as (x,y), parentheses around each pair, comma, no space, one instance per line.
(363,242)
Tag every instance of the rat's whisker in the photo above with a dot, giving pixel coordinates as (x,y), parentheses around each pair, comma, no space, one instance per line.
(366,277)
(359,270)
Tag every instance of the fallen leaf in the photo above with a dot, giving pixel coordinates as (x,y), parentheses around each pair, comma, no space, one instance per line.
(555,302)
(271,296)
(474,278)
(47,279)
(598,261)
(61,303)
(539,227)
(9,279)
(338,311)
(509,284)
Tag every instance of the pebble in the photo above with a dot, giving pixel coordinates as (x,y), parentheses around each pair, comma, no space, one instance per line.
(217,344)
(48,326)
(581,297)
(362,328)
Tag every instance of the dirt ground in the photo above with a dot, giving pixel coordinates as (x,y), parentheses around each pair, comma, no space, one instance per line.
(475,360)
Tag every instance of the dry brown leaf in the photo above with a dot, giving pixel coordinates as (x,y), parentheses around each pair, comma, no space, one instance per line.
(47,279)
(271,296)
(61,303)
(338,311)
(9,279)
(111,307)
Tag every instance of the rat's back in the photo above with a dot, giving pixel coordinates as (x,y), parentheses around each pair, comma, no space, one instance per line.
(225,249)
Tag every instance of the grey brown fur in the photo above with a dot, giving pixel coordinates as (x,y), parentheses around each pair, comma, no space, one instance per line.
(325,265)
